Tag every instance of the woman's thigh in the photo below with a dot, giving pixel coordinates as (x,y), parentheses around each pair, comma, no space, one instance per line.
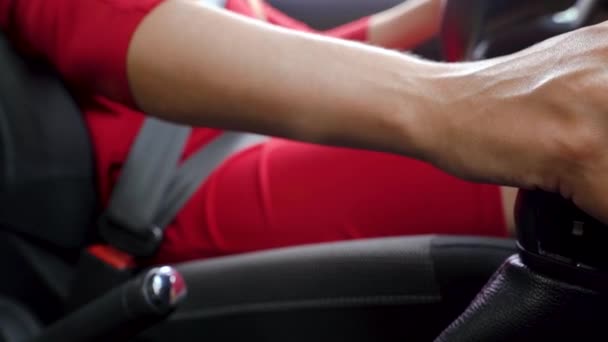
(284,193)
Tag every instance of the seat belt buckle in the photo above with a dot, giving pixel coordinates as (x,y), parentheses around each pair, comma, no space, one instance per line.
(140,243)
(100,268)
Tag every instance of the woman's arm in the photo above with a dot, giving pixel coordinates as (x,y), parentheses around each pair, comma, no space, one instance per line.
(536,119)
(173,58)
(401,27)
(269,80)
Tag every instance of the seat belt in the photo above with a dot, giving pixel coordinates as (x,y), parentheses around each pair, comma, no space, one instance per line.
(150,191)
(196,169)
(153,188)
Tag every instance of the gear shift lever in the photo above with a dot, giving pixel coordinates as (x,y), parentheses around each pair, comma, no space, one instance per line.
(124,311)
(555,289)
(558,239)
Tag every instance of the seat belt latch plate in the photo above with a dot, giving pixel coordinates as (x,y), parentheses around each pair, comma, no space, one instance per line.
(141,243)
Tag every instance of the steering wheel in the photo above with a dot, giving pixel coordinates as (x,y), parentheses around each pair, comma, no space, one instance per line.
(477,29)
(556,287)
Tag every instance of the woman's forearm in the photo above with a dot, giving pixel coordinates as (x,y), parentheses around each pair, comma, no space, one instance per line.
(254,77)
(406,25)
(535,119)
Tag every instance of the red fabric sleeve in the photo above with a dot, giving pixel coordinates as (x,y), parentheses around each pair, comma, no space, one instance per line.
(86,40)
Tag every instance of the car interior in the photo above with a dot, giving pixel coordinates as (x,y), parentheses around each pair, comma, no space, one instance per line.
(60,283)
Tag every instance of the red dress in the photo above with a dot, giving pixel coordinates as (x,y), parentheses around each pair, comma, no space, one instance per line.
(279,193)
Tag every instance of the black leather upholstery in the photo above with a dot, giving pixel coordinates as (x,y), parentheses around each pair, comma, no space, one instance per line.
(47,179)
(16,323)
(373,290)
(521,305)
(34,276)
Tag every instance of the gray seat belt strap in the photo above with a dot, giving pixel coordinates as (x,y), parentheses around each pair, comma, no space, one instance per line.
(148,171)
(196,169)
(153,188)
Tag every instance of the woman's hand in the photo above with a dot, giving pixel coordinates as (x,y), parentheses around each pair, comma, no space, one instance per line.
(536,119)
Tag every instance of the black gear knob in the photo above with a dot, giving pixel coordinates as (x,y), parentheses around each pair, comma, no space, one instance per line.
(554,290)
(552,230)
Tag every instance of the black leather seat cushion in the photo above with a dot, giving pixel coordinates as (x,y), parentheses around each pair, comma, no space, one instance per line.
(16,323)
(371,290)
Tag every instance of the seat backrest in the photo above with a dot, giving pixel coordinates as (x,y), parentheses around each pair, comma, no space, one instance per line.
(47,180)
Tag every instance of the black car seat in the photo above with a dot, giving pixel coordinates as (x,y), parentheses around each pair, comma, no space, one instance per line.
(47,185)
(47,195)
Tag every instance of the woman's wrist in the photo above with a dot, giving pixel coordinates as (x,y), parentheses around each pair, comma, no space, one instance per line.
(466,126)
(423,108)
(497,123)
